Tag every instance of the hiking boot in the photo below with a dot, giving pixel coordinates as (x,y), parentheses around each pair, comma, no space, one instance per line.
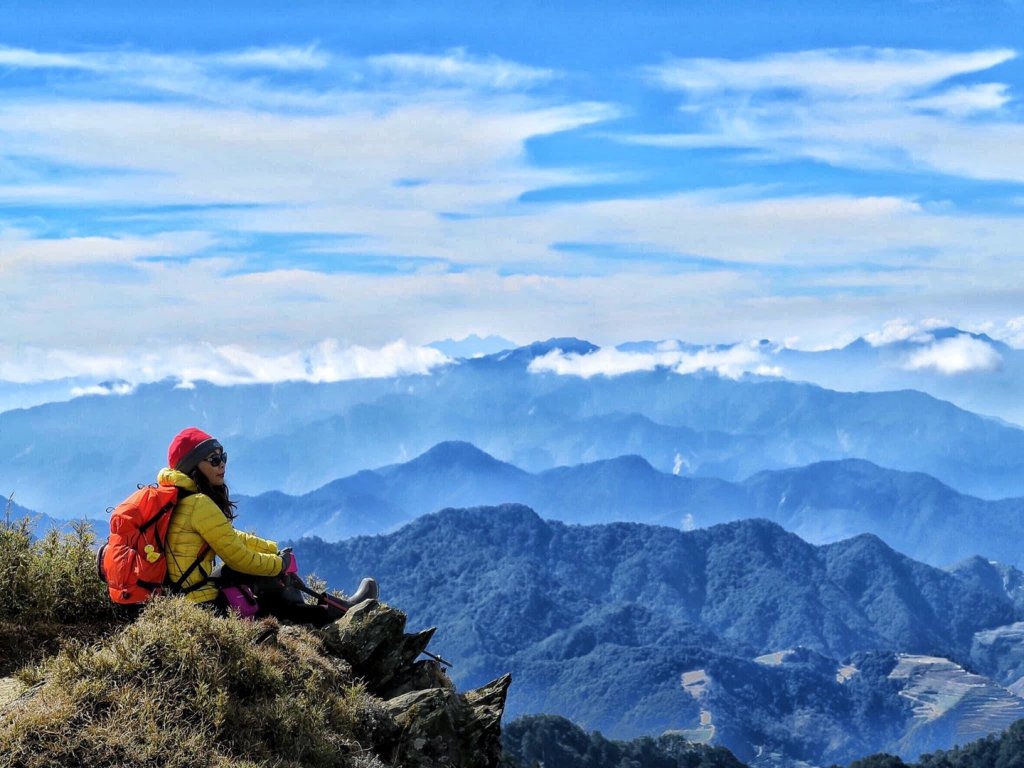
(336,607)
(367,591)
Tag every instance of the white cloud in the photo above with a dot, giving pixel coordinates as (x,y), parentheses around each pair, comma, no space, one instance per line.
(285,58)
(607,361)
(857,72)
(118,388)
(457,67)
(1014,332)
(381,162)
(944,260)
(732,362)
(138,64)
(326,361)
(167,153)
(20,251)
(1010,331)
(905,330)
(679,463)
(861,107)
(967,100)
(29,59)
(960,354)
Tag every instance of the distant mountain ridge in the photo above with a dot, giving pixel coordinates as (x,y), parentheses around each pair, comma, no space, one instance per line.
(472,346)
(987,381)
(971,369)
(298,436)
(823,502)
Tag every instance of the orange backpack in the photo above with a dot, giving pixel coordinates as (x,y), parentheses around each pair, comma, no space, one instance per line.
(133,562)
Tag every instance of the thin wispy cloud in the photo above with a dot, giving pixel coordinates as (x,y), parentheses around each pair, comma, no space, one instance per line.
(24,255)
(168,129)
(284,58)
(458,68)
(833,73)
(129,63)
(861,108)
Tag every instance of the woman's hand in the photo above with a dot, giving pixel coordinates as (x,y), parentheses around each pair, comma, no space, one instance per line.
(288,563)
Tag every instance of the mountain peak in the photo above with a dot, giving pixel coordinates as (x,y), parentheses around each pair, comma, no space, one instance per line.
(456,454)
(628,464)
(859,344)
(565,344)
(528,353)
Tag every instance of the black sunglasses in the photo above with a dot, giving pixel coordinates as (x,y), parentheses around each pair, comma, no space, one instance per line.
(217,459)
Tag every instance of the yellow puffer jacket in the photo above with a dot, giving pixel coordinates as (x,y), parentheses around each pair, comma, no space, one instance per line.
(197,520)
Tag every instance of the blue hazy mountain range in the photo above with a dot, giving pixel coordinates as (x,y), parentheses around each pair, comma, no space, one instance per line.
(987,375)
(599,623)
(12,512)
(77,458)
(822,503)
(27,394)
(472,346)
(972,370)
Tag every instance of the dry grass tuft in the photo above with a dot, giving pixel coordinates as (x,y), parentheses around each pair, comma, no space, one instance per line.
(183,687)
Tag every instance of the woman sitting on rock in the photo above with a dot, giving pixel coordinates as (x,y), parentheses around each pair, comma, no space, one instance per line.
(256,578)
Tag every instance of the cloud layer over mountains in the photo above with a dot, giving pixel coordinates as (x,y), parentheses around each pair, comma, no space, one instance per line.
(978,371)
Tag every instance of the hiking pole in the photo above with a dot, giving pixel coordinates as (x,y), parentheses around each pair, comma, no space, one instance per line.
(322,596)
(438,659)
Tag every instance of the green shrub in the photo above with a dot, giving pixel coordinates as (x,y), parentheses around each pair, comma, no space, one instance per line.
(52,578)
(50,591)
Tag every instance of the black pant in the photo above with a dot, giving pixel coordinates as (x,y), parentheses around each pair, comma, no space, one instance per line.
(277,605)
(274,599)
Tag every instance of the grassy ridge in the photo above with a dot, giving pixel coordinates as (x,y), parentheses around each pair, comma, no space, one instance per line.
(183,687)
(178,687)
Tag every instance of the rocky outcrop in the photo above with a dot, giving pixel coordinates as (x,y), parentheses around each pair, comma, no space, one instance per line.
(441,727)
(437,726)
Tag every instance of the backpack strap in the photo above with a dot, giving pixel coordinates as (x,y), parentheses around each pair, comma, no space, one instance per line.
(164,510)
(176,585)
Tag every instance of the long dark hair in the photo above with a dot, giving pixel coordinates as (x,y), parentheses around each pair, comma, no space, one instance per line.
(219,493)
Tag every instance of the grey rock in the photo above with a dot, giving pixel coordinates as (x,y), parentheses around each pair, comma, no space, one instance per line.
(371,637)
(442,727)
(434,725)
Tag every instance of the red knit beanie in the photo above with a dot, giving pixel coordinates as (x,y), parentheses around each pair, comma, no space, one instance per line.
(189,447)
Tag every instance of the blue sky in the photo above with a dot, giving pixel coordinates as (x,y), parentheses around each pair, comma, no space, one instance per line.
(248,186)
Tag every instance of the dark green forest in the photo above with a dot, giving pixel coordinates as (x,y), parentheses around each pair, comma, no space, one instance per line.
(550,740)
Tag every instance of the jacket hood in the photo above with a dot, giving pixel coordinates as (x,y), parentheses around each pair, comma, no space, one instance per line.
(173,477)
